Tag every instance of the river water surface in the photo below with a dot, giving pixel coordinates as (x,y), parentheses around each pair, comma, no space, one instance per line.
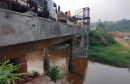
(87,72)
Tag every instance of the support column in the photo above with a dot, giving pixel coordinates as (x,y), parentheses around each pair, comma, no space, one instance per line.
(46,58)
(81,42)
(72,64)
(72,58)
(23,68)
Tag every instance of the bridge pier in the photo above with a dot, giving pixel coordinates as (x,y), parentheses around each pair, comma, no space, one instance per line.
(46,58)
(23,68)
(72,64)
(72,58)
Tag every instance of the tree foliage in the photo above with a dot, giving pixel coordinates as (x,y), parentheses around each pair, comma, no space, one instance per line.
(100,25)
(121,26)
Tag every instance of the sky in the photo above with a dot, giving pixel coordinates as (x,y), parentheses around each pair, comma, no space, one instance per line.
(106,10)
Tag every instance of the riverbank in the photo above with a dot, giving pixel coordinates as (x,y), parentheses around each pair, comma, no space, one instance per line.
(113,54)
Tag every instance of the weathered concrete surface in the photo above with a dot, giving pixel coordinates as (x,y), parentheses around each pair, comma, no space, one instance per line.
(16,28)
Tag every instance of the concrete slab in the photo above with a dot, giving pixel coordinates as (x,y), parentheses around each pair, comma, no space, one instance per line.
(16,28)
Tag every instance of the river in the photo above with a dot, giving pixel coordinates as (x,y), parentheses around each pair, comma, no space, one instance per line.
(87,72)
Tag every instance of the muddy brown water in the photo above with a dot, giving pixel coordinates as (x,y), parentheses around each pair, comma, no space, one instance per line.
(87,72)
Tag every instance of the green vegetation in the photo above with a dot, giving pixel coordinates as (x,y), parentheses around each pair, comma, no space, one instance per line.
(111,54)
(100,38)
(100,25)
(6,73)
(34,74)
(54,73)
(121,25)
(71,82)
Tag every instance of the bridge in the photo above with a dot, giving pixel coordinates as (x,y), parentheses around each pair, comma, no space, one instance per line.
(21,34)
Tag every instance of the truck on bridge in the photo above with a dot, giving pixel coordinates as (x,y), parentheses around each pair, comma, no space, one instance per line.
(46,8)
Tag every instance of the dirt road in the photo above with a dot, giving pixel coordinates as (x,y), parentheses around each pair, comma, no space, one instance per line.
(125,43)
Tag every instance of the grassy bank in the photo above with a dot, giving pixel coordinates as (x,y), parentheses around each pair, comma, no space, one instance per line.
(113,54)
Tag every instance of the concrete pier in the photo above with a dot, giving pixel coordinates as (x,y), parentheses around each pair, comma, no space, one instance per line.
(72,58)
(23,68)
(72,64)
(46,58)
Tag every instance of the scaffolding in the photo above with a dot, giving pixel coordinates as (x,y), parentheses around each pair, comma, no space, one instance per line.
(81,42)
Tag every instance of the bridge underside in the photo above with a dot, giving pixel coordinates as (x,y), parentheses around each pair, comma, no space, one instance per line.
(19,50)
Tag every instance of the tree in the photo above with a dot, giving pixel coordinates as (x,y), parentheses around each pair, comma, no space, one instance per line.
(99,20)
(100,25)
(121,26)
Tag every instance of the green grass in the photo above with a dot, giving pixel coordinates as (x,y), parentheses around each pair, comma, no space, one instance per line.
(112,54)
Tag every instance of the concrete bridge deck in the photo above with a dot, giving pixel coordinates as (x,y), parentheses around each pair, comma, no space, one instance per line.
(21,33)
(16,28)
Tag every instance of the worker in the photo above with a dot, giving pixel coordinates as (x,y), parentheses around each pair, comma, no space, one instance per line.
(60,12)
(74,19)
(68,15)
(80,24)
(33,9)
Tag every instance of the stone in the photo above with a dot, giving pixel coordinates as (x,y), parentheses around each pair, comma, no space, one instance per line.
(62,81)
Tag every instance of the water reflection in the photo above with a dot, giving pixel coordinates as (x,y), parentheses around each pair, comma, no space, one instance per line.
(79,75)
(103,74)
(87,72)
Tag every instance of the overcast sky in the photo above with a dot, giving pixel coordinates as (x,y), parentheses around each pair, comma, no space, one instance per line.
(109,10)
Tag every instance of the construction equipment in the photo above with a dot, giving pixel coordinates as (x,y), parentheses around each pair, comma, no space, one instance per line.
(81,42)
(61,16)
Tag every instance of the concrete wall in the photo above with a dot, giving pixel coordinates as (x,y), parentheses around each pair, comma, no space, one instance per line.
(16,28)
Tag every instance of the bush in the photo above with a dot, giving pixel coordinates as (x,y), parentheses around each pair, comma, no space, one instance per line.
(111,40)
(96,33)
(54,73)
(93,42)
(6,72)
(34,73)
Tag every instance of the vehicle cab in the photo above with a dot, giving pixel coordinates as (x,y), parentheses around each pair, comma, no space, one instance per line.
(126,38)
(52,7)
